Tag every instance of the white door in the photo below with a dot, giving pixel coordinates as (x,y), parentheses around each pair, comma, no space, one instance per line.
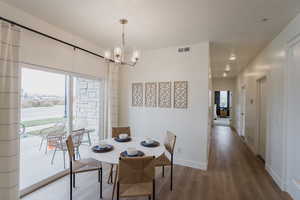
(242,111)
(262,128)
(293,120)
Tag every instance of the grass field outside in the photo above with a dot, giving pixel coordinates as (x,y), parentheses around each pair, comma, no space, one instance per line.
(40,122)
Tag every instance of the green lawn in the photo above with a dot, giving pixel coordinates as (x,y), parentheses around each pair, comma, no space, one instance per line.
(34,133)
(40,122)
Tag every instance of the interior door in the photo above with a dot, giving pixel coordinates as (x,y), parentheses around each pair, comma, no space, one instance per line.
(242,112)
(262,118)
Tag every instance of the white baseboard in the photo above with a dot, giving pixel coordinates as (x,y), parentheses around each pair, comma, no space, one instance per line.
(192,164)
(293,188)
(251,147)
(275,176)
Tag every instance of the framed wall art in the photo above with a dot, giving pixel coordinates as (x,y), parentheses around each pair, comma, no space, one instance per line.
(150,94)
(137,94)
(181,94)
(164,94)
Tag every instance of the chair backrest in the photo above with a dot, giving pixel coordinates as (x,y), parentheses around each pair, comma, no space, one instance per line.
(74,140)
(170,141)
(136,170)
(70,147)
(77,137)
(61,124)
(116,131)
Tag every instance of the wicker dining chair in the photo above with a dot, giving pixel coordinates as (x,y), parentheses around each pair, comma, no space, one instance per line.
(81,166)
(163,160)
(48,133)
(59,144)
(136,177)
(116,131)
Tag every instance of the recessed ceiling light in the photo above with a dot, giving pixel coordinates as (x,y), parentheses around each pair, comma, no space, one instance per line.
(232,57)
(224,74)
(228,68)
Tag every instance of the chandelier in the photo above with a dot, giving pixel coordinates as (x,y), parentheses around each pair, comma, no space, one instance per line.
(118,54)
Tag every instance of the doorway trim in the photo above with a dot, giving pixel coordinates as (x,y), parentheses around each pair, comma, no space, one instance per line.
(287,82)
(242,112)
(258,118)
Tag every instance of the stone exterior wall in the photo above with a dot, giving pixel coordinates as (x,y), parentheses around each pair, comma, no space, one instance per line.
(88,104)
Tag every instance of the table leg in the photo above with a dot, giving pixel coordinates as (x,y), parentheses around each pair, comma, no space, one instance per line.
(111,172)
(115,181)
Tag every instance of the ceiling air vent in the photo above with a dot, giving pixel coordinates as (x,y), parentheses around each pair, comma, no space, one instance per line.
(184,49)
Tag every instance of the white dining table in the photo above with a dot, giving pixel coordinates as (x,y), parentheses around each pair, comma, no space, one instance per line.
(112,157)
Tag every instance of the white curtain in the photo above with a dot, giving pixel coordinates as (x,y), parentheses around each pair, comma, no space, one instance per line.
(9,111)
(111,99)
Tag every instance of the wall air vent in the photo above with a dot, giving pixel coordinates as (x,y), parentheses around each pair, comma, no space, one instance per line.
(184,49)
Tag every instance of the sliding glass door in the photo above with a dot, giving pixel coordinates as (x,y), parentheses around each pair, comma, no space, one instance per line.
(43,112)
(53,104)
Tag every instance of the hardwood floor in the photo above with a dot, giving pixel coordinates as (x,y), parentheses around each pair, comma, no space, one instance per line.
(234,173)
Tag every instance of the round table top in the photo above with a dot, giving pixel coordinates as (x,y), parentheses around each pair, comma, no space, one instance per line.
(112,157)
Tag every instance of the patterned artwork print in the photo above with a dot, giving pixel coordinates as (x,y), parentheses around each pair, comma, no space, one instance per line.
(164,94)
(180,94)
(150,94)
(137,94)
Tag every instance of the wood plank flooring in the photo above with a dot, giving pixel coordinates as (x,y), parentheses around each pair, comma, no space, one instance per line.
(234,173)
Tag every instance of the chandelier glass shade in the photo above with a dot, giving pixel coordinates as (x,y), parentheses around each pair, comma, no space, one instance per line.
(117,55)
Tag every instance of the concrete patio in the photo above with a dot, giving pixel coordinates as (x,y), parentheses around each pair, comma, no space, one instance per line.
(35,164)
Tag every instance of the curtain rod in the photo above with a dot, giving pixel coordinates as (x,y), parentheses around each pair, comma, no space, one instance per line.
(56,39)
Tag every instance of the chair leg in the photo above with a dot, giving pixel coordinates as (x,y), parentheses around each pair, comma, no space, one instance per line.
(100,180)
(153,187)
(114,183)
(171,186)
(149,197)
(163,171)
(78,154)
(41,143)
(89,138)
(53,155)
(74,183)
(64,158)
(71,187)
(46,146)
(118,191)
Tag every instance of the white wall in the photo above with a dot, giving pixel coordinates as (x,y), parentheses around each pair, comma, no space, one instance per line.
(271,63)
(221,84)
(190,125)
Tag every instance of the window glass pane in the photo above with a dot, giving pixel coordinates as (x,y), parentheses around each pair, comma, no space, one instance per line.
(223,99)
(43,113)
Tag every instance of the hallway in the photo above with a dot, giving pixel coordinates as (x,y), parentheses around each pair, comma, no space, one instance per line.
(234,173)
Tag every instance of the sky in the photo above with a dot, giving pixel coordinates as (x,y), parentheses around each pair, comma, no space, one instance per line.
(42,82)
